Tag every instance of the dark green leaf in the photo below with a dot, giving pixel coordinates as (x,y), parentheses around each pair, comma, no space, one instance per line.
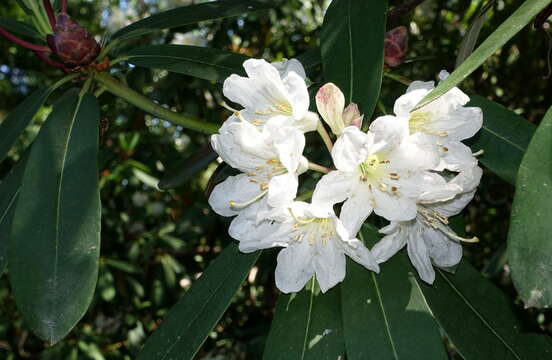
(19,28)
(189,322)
(204,63)
(310,59)
(306,325)
(521,17)
(385,316)
(478,318)
(190,15)
(17,121)
(352,49)
(10,187)
(529,245)
(504,138)
(468,42)
(188,167)
(55,237)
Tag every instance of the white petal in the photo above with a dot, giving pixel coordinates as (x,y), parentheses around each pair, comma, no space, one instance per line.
(444,252)
(456,157)
(265,235)
(235,188)
(294,267)
(330,103)
(282,189)
(329,265)
(286,66)
(351,148)
(297,94)
(390,244)
(416,92)
(417,152)
(289,145)
(394,207)
(309,122)
(356,250)
(435,188)
(356,210)
(389,132)
(419,257)
(335,187)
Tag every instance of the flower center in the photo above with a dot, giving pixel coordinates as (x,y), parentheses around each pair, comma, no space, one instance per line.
(283,108)
(313,229)
(438,221)
(419,121)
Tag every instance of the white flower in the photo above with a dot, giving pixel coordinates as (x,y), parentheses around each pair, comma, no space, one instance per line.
(384,170)
(330,103)
(270,162)
(428,238)
(315,242)
(446,119)
(275,92)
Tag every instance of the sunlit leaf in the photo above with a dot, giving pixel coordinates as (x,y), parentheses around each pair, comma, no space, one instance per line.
(306,325)
(478,319)
(470,38)
(385,315)
(529,245)
(189,322)
(204,63)
(521,17)
(503,138)
(55,236)
(190,15)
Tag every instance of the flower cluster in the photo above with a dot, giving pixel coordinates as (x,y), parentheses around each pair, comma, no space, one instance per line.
(410,168)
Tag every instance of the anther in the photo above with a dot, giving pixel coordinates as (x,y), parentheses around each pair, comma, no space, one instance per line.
(394,176)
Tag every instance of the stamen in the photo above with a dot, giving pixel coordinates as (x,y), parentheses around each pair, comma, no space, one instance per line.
(251,174)
(454,236)
(394,176)
(238,206)
(480,152)
(253,180)
(264,187)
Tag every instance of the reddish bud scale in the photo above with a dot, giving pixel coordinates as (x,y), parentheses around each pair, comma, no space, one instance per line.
(395,46)
(72,43)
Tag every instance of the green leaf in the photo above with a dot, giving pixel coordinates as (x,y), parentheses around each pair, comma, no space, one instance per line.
(529,245)
(188,167)
(521,17)
(503,137)
(468,42)
(204,63)
(55,236)
(385,315)
(352,49)
(189,322)
(306,325)
(16,122)
(190,15)
(20,28)
(10,186)
(310,59)
(478,318)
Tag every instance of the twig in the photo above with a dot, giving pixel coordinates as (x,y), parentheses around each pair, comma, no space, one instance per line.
(63,7)
(50,62)
(50,13)
(23,43)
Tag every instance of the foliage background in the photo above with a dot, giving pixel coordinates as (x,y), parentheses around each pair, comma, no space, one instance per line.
(155,244)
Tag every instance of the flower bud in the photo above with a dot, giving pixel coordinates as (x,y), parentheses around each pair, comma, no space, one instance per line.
(330,102)
(396,45)
(352,116)
(72,43)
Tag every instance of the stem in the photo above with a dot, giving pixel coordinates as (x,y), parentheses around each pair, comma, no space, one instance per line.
(50,13)
(63,7)
(397,78)
(100,91)
(49,61)
(325,136)
(23,43)
(106,49)
(119,89)
(319,168)
(64,80)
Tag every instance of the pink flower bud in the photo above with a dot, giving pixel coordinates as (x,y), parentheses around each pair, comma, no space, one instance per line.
(396,45)
(352,116)
(72,43)
(330,102)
